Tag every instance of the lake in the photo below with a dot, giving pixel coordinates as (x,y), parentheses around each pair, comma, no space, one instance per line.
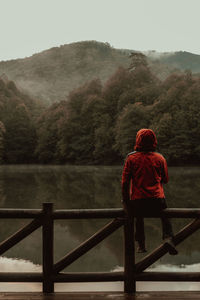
(90,187)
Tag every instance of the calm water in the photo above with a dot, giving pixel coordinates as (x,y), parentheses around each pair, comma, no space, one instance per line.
(90,187)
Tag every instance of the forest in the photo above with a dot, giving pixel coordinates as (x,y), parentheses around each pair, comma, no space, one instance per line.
(98,122)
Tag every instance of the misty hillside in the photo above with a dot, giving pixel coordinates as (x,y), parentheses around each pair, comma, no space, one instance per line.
(52,74)
(182,60)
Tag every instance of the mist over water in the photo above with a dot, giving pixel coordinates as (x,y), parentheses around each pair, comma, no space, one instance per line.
(90,187)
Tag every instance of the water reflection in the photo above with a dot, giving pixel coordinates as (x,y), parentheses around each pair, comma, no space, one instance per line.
(89,187)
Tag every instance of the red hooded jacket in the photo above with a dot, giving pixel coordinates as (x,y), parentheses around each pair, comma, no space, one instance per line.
(144,169)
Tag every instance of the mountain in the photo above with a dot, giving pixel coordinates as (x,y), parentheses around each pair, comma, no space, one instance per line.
(163,64)
(182,60)
(52,74)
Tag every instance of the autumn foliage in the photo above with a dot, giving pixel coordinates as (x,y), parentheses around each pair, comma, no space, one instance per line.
(98,121)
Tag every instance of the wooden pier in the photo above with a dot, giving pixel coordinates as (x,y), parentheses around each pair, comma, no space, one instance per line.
(102,296)
(52,272)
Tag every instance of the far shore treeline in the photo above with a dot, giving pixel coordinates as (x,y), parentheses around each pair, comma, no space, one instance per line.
(98,122)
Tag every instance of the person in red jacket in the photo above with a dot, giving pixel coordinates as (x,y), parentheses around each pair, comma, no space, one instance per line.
(144,173)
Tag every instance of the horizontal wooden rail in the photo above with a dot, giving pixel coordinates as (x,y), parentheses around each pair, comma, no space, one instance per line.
(20,213)
(179,213)
(168,276)
(93,213)
(99,276)
(88,213)
(21,277)
(89,277)
(182,212)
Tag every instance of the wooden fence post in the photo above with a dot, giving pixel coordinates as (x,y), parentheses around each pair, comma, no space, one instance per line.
(129,255)
(47,237)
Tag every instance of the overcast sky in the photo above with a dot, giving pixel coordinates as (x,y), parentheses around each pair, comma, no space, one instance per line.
(31,26)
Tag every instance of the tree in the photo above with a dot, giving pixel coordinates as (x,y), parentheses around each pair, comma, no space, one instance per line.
(20,137)
(48,132)
(176,120)
(138,59)
(134,117)
(77,133)
(104,152)
(2,142)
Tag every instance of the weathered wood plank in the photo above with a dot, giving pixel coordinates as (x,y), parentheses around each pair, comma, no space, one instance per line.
(88,277)
(129,256)
(88,213)
(119,212)
(168,276)
(192,295)
(10,213)
(15,213)
(47,239)
(21,277)
(180,213)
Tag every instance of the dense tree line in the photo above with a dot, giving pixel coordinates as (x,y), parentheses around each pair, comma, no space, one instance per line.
(98,122)
(18,115)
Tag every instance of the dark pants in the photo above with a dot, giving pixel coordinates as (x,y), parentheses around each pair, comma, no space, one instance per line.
(149,207)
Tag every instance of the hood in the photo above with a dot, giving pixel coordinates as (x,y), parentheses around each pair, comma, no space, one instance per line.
(145,140)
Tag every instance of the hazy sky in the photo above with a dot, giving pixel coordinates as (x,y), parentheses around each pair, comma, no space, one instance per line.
(30,26)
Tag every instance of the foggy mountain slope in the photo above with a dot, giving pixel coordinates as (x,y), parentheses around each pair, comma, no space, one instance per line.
(183,60)
(50,75)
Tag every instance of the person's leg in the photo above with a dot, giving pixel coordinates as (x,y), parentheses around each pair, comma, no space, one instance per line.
(139,229)
(168,231)
(139,225)
(140,234)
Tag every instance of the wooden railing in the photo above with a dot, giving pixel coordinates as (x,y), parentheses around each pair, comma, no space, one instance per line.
(51,272)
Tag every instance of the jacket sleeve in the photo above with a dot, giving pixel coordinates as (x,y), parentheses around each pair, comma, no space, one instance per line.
(165,176)
(126,178)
